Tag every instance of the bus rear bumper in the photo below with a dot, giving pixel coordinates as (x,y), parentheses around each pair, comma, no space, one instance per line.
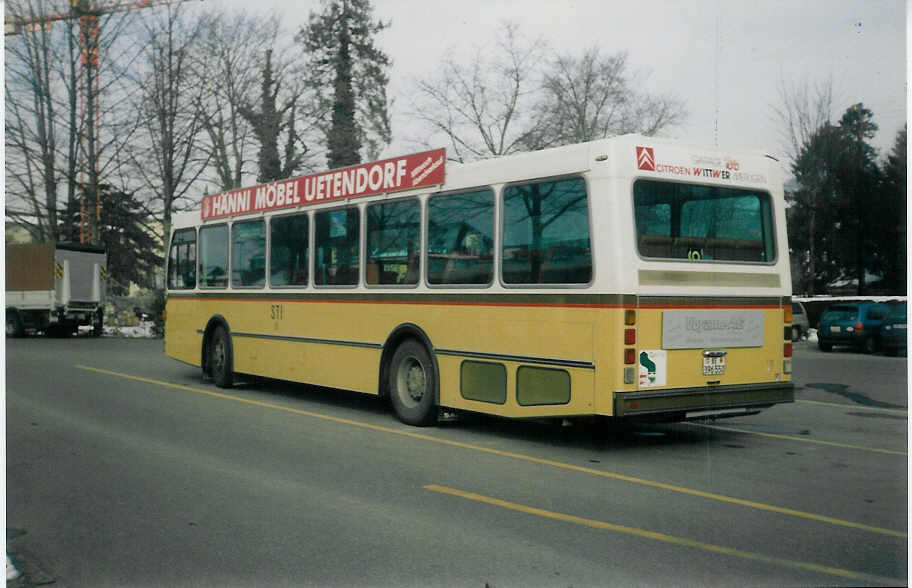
(702,402)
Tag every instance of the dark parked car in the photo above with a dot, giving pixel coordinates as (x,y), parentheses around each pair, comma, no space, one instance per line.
(852,323)
(893,332)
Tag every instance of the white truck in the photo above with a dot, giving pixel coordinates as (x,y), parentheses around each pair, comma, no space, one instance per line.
(54,288)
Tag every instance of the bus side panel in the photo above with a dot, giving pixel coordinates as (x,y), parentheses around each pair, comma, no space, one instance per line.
(324,344)
(339,344)
(319,364)
(513,336)
(182,342)
(581,384)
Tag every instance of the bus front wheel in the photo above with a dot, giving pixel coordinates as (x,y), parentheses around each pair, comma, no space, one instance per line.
(221,358)
(413,384)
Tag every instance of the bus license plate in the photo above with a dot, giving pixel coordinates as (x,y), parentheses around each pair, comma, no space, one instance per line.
(714,366)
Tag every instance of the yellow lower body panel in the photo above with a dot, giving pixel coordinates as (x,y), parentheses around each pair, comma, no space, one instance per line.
(544,357)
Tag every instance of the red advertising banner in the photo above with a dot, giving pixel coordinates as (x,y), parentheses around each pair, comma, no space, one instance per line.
(378,177)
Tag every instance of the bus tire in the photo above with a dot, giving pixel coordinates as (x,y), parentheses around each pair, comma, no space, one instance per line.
(413,384)
(221,358)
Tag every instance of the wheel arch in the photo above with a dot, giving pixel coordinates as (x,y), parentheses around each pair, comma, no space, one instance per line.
(395,338)
(215,321)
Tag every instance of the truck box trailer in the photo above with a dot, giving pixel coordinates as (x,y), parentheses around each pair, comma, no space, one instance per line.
(54,288)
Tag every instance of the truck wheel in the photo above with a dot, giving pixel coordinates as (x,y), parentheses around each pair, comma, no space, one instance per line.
(221,358)
(413,384)
(98,324)
(13,325)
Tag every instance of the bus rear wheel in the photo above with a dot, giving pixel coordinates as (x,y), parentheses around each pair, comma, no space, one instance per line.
(221,358)
(413,384)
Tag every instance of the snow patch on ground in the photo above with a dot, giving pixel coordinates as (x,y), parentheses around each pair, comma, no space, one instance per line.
(849,298)
(144,329)
(11,572)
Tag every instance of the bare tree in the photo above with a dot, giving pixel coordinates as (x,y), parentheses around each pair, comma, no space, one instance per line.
(229,65)
(804,108)
(62,115)
(32,123)
(804,117)
(484,109)
(592,97)
(518,100)
(170,95)
(271,119)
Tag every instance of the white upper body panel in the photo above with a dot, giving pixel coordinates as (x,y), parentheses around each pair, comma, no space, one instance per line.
(611,167)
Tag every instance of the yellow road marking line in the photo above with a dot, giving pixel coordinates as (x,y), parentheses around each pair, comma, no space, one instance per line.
(801,439)
(663,537)
(511,455)
(855,407)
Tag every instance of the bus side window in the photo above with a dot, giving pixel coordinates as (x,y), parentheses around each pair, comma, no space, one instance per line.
(213,256)
(288,250)
(248,253)
(461,238)
(336,247)
(546,233)
(182,260)
(393,241)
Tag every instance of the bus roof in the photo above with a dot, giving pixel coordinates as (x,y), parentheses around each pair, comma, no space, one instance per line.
(627,156)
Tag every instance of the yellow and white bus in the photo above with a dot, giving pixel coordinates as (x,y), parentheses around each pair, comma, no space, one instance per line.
(630,277)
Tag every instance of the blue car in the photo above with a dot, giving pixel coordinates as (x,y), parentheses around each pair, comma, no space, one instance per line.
(852,323)
(893,332)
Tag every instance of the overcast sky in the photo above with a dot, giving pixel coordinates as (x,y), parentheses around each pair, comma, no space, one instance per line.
(860,43)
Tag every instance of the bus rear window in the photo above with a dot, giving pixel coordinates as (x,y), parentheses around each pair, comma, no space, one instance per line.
(683,221)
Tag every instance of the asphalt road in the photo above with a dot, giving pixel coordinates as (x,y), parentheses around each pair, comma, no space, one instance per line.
(124,468)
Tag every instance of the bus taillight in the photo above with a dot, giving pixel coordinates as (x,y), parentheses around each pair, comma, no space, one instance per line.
(629,336)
